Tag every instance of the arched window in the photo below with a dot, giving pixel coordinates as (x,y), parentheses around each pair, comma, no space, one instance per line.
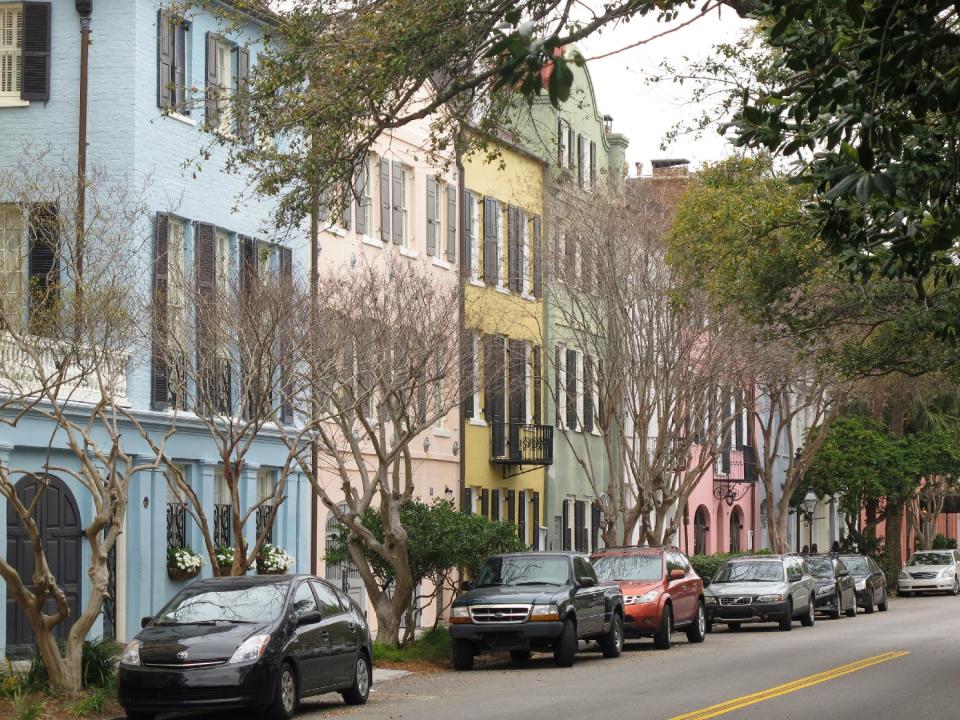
(701,526)
(736,529)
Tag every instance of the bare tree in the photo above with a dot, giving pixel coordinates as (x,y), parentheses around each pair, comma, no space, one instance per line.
(654,362)
(385,367)
(65,339)
(225,343)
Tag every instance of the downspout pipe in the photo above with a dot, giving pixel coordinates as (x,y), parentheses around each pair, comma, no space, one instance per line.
(85,10)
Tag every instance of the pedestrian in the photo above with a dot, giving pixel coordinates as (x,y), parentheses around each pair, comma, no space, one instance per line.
(806,550)
(814,550)
(836,547)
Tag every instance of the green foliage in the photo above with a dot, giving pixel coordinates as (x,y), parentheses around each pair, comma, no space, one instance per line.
(25,708)
(440,538)
(707,565)
(93,703)
(436,647)
(11,682)
(942,542)
(98,666)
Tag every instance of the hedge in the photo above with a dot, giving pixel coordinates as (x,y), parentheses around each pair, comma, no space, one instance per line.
(707,565)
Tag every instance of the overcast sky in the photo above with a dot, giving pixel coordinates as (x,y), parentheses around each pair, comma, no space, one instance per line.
(645,112)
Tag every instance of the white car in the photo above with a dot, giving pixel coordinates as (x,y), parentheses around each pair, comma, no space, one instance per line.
(930,571)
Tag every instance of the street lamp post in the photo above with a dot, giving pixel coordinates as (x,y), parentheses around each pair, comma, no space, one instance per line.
(809,505)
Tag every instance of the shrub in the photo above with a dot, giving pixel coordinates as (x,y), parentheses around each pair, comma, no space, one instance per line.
(92,704)
(942,542)
(707,565)
(436,646)
(26,709)
(98,666)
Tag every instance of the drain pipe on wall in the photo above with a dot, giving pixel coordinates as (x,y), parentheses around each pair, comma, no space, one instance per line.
(85,10)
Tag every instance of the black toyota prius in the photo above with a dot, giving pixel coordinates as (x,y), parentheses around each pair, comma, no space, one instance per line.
(250,642)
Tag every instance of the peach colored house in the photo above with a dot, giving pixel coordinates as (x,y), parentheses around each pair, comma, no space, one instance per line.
(409,207)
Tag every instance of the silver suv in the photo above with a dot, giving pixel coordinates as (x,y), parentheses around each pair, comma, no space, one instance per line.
(760,589)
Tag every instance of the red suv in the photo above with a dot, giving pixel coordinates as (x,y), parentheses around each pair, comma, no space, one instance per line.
(661,592)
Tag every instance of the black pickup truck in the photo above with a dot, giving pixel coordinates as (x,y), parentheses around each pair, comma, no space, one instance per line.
(536,601)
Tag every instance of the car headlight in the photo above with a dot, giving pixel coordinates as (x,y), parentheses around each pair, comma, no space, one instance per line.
(861,584)
(769,598)
(250,649)
(825,590)
(949,571)
(544,613)
(903,575)
(647,597)
(709,600)
(131,653)
(459,615)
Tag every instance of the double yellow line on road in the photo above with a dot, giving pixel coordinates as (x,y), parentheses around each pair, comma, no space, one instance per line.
(805,682)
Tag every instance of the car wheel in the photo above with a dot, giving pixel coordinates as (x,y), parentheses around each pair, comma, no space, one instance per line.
(611,644)
(286,697)
(868,602)
(358,693)
(882,605)
(835,611)
(786,622)
(956,586)
(852,610)
(905,593)
(708,626)
(462,655)
(565,651)
(698,630)
(662,640)
(734,627)
(519,655)
(810,616)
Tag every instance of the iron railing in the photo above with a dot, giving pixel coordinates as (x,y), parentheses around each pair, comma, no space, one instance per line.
(176,525)
(263,517)
(222,522)
(521,444)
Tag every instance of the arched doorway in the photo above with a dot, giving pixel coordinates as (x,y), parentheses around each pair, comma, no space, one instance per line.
(342,575)
(58,520)
(736,529)
(701,530)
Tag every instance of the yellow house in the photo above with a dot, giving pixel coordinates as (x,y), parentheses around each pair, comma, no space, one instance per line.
(507,441)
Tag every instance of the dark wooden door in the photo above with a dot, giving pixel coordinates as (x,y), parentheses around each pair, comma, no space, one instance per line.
(58,520)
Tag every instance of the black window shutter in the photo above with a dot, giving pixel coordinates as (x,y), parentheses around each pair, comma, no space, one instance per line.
(588,393)
(491,250)
(738,420)
(571,148)
(517,351)
(451,223)
(513,248)
(469,379)
(385,209)
(213,84)
(522,516)
(559,142)
(179,95)
(244,126)
(360,202)
(431,215)
(512,506)
(601,394)
(557,386)
(205,260)
(586,266)
(159,382)
(43,266)
(536,520)
(593,164)
(485,503)
(165,60)
(566,526)
(572,415)
(493,369)
(495,505)
(467,507)
(570,243)
(397,199)
(249,260)
(580,167)
(596,519)
(537,257)
(466,256)
(35,64)
(537,387)
(286,280)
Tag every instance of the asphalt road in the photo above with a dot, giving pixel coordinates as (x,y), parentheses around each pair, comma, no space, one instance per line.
(904,663)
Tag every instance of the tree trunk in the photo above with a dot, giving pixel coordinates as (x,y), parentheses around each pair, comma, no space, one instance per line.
(892,549)
(61,674)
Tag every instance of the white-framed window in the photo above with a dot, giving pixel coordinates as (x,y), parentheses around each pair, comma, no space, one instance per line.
(176,280)
(11,263)
(364,210)
(223,262)
(563,143)
(174,493)
(11,50)
(224,57)
(266,483)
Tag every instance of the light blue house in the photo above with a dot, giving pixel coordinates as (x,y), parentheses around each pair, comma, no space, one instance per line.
(138,58)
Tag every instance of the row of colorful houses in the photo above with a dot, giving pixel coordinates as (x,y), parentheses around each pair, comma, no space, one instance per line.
(467,219)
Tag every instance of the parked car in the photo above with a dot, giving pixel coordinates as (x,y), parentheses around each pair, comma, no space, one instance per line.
(761,589)
(536,601)
(661,592)
(834,587)
(930,570)
(869,581)
(247,642)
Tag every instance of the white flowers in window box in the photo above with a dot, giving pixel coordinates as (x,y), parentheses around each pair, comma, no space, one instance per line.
(224,554)
(183,563)
(274,561)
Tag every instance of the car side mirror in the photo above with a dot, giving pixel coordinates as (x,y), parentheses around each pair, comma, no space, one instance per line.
(677,574)
(467,585)
(309,617)
(795,577)
(145,620)
(585,582)
(706,581)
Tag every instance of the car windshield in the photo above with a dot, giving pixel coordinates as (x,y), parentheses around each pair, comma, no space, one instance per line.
(525,570)
(930,558)
(857,566)
(629,567)
(206,605)
(759,571)
(820,567)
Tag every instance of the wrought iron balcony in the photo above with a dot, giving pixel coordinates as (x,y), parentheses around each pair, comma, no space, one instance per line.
(521,444)
(735,472)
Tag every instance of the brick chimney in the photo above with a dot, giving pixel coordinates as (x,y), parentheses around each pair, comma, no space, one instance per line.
(670,167)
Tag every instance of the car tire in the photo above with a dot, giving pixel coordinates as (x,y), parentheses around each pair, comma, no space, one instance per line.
(852,610)
(708,627)
(868,602)
(698,630)
(786,622)
(462,655)
(358,693)
(956,586)
(664,636)
(734,627)
(611,644)
(905,593)
(519,655)
(810,616)
(565,651)
(287,695)
(883,605)
(835,612)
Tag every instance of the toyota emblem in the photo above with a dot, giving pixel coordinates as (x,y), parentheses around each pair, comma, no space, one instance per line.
(182,655)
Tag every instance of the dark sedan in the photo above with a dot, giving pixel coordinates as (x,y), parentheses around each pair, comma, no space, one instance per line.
(247,642)
(870,581)
(833,586)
